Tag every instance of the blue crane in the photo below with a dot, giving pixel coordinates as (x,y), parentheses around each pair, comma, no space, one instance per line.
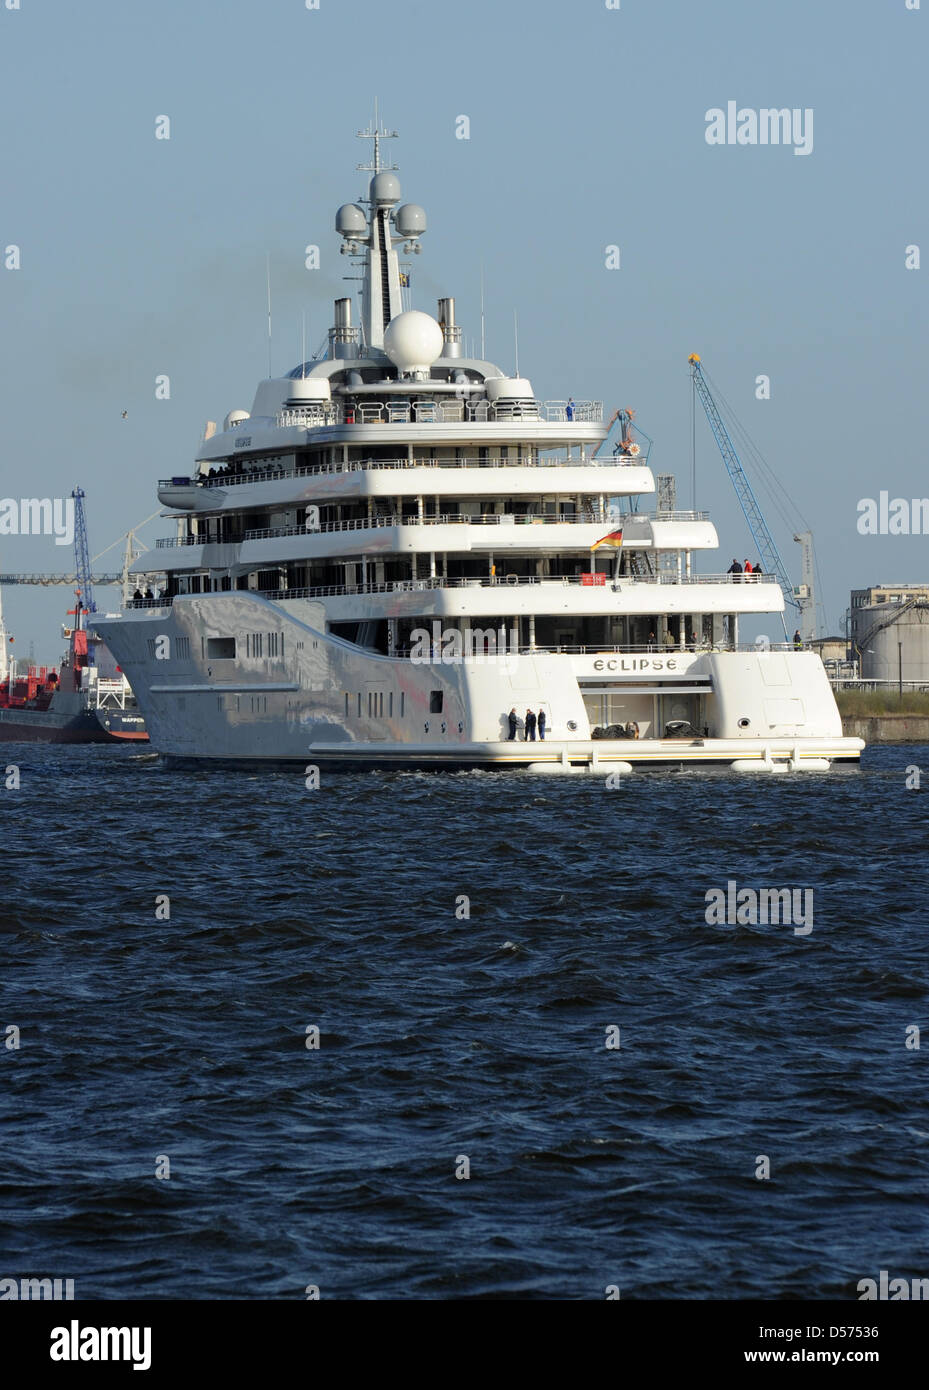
(770,559)
(85,586)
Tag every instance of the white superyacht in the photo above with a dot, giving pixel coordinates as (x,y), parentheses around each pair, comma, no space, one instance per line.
(400,552)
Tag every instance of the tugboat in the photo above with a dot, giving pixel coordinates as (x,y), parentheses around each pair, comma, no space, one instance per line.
(87,699)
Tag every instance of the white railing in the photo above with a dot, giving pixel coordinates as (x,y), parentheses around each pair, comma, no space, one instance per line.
(379,522)
(497,581)
(374,412)
(363,523)
(581,412)
(228,477)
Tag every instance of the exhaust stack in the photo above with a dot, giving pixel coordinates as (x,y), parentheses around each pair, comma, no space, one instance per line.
(451,333)
(343,338)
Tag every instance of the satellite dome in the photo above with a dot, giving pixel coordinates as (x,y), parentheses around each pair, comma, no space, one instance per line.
(235,417)
(385,188)
(309,388)
(413,341)
(508,388)
(410,220)
(350,220)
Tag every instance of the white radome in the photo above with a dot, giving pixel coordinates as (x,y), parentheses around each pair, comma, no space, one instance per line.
(413,341)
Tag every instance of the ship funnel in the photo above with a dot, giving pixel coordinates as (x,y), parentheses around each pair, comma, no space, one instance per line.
(451,333)
(343,338)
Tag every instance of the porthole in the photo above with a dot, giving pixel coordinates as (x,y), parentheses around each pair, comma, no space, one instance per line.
(744,723)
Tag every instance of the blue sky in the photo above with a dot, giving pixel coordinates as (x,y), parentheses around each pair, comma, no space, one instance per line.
(142,257)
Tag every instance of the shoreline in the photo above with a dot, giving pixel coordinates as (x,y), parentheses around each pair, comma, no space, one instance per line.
(887,728)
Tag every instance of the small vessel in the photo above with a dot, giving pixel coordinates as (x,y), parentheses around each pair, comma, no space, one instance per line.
(402,557)
(85,699)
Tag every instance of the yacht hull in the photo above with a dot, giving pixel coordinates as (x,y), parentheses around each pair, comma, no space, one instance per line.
(598,757)
(322,701)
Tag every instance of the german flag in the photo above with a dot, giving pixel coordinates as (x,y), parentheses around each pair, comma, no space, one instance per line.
(614,539)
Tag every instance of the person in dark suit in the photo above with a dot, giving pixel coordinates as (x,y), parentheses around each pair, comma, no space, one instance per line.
(512,720)
(530,726)
(541,723)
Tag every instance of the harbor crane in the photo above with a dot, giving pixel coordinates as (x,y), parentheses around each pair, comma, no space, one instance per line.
(85,604)
(800,599)
(85,581)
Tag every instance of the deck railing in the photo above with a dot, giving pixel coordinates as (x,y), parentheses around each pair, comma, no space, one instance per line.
(263,475)
(374,523)
(489,582)
(317,415)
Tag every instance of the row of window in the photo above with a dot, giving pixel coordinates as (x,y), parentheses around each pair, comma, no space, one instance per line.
(872,598)
(376,703)
(256,644)
(258,703)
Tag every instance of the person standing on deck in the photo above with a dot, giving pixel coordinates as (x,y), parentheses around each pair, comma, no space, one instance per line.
(512,720)
(530,726)
(541,724)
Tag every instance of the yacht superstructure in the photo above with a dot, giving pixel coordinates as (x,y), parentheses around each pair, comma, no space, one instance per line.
(400,550)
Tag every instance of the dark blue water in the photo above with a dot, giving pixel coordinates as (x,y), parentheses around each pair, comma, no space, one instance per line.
(444,1037)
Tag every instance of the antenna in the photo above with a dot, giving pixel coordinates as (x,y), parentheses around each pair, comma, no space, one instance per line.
(377,134)
(4,662)
(483,353)
(303,347)
(516,340)
(268,267)
(693,444)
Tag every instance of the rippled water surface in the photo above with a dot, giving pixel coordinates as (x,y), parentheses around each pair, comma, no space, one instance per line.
(446,1037)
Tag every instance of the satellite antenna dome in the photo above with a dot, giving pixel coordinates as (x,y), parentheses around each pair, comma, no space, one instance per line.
(235,417)
(350,220)
(413,341)
(385,189)
(410,220)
